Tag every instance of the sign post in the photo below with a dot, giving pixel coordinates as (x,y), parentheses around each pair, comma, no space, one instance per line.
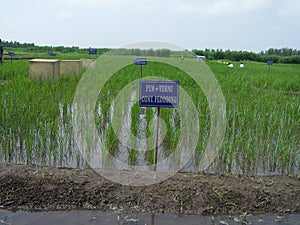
(159,94)
(270,63)
(92,51)
(156,138)
(11,54)
(140,62)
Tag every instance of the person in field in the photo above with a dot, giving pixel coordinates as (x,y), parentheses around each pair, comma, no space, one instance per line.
(1,51)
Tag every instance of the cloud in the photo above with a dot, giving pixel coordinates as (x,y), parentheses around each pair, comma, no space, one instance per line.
(237,7)
(222,7)
(115,5)
(83,3)
(169,8)
(290,8)
(65,15)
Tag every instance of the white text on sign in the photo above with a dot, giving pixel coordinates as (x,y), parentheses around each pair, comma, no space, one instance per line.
(159,93)
(159,88)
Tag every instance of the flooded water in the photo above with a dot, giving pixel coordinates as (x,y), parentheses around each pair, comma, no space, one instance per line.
(43,147)
(118,218)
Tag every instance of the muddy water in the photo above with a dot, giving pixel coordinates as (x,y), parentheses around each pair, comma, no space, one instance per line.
(66,154)
(117,218)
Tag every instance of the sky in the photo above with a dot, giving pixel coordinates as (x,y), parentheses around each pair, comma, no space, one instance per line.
(250,25)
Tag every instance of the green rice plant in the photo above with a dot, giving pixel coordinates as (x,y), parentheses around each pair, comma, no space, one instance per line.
(132,157)
(135,119)
(262,116)
(253,115)
(10,69)
(263,108)
(112,141)
(30,110)
(149,154)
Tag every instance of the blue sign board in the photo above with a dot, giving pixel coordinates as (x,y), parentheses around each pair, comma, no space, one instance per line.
(159,93)
(270,62)
(140,61)
(50,52)
(11,54)
(92,51)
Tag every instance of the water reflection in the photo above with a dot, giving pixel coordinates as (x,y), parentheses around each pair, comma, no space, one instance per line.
(53,143)
(120,218)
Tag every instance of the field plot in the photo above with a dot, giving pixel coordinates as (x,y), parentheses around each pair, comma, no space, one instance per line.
(262,118)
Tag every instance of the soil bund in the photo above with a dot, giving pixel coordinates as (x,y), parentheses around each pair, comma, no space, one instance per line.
(30,187)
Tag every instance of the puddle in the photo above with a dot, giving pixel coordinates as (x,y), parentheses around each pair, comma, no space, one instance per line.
(117,218)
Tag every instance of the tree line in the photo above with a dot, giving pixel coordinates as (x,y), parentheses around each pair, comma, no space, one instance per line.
(16,44)
(143,52)
(282,55)
(31,47)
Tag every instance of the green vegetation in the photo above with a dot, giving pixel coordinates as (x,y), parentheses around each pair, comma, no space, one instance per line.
(35,116)
(283,55)
(263,116)
(9,70)
(263,122)
(262,111)
(30,51)
(32,48)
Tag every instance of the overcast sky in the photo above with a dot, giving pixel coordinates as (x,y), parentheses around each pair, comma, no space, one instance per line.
(251,25)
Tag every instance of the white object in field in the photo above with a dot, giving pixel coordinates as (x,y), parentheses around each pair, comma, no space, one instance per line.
(201,58)
(230,65)
(242,65)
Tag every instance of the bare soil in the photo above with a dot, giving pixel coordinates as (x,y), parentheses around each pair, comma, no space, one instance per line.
(31,187)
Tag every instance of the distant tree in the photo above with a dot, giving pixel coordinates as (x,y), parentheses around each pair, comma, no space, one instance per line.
(15,44)
(202,52)
(135,51)
(282,55)
(290,59)
(218,55)
(163,52)
(150,52)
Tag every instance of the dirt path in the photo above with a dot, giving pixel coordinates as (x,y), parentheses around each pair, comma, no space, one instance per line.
(47,188)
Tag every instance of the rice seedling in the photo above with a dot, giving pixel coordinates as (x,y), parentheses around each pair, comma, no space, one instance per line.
(32,116)
(263,108)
